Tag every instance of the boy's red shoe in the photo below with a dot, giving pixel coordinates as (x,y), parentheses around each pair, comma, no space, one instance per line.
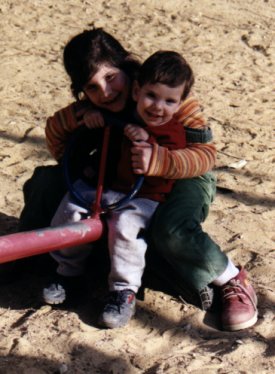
(239,303)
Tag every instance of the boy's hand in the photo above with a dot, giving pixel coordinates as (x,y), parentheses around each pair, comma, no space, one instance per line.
(135,133)
(141,156)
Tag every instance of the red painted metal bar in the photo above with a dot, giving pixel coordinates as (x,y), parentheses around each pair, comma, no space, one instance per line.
(102,167)
(30,243)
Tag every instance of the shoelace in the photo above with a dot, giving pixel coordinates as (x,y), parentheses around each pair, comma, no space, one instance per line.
(235,288)
(206,297)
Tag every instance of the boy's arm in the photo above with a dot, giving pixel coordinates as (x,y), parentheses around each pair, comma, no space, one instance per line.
(196,159)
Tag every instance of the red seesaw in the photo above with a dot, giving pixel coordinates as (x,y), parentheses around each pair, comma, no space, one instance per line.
(30,243)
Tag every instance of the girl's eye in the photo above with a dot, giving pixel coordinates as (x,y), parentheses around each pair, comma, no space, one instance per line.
(91,87)
(110,77)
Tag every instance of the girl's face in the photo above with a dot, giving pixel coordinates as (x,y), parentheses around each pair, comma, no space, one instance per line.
(108,88)
(157,102)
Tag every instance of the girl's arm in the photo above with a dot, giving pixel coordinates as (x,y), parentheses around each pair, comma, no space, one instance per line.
(59,127)
(65,121)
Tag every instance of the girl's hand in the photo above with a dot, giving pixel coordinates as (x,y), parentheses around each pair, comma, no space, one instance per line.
(135,133)
(93,119)
(141,156)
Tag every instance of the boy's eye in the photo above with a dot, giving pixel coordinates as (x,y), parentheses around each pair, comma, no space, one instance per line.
(171,101)
(151,95)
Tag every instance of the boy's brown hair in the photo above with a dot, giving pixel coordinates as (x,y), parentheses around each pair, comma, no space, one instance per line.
(169,68)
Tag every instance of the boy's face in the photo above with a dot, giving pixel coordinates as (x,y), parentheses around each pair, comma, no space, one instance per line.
(157,102)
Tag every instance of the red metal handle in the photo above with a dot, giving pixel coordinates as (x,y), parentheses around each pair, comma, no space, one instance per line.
(30,243)
(102,167)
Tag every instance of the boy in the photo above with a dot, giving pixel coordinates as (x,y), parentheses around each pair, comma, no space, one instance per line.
(164,80)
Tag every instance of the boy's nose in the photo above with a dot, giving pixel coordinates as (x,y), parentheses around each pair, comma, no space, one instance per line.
(158,105)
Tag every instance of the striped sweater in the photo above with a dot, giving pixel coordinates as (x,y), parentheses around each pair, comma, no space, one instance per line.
(194,160)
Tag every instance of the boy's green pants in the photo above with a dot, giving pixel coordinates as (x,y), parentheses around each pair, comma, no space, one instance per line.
(175,236)
(176,233)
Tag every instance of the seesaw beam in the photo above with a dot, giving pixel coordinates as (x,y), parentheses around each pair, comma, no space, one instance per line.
(30,243)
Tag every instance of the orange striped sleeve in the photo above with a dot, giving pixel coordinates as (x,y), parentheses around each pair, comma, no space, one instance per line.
(190,114)
(58,129)
(194,160)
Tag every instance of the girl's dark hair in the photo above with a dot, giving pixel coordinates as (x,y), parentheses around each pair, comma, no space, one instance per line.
(169,68)
(86,51)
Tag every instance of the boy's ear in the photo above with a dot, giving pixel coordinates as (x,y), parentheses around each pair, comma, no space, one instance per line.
(135,91)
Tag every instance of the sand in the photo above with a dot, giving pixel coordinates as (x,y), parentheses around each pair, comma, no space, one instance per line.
(230,45)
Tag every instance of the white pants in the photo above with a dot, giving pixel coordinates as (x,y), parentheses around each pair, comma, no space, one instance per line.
(126,244)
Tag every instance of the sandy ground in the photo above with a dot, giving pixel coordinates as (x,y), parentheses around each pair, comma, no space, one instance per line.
(230,45)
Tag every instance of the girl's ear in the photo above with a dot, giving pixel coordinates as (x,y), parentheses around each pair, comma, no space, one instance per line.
(82,96)
(135,91)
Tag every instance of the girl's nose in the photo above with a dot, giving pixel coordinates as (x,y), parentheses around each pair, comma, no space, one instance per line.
(105,89)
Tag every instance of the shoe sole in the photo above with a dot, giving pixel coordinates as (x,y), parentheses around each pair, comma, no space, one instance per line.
(54,302)
(243,325)
(58,296)
(114,324)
